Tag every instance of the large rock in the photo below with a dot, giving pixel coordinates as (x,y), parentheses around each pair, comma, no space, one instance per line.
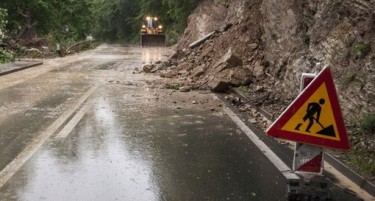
(230,58)
(183,66)
(253,46)
(185,89)
(149,68)
(163,65)
(223,66)
(168,74)
(206,18)
(218,85)
(258,71)
(200,70)
(241,77)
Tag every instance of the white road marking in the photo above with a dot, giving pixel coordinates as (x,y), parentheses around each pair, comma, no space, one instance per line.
(276,161)
(30,149)
(72,123)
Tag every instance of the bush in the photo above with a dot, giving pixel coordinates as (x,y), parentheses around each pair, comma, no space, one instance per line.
(6,56)
(368,123)
(3,22)
(364,161)
(361,49)
(174,86)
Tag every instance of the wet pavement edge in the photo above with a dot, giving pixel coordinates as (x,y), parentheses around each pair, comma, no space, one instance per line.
(16,69)
(363,183)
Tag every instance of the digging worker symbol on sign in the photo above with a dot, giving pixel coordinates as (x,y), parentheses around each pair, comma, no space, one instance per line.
(313,115)
(312,110)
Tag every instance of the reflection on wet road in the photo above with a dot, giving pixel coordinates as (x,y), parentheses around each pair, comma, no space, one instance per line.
(128,147)
(129,141)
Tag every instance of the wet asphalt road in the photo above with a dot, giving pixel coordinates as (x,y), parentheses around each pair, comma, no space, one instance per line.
(95,129)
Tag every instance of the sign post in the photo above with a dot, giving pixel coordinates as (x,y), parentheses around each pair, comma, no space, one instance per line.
(307,158)
(314,121)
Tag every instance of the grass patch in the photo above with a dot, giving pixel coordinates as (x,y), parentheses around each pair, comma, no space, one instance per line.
(363,160)
(335,2)
(174,86)
(361,49)
(350,77)
(306,39)
(225,2)
(243,89)
(368,124)
(6,56)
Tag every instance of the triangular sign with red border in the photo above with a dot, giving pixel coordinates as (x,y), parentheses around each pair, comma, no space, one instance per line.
(314,117)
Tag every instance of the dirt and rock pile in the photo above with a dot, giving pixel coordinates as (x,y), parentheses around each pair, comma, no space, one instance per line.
(275,42)
(265,46)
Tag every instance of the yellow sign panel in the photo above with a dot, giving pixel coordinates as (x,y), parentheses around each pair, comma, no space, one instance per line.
(315,117)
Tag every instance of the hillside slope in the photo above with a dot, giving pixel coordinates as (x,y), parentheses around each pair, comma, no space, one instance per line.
(267,45)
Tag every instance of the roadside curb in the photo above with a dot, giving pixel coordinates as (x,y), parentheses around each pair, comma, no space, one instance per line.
(20,68)
(363,183)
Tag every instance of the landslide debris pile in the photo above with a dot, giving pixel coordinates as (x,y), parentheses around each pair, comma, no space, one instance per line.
(232,54)
(265,46)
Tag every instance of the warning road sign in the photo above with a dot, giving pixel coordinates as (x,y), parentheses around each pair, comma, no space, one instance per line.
(311,114)
(314,117)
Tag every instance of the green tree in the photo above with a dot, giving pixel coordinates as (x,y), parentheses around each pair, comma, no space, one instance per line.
(115,20)
(179,10)
(121,19)
(48,16)
(3,22)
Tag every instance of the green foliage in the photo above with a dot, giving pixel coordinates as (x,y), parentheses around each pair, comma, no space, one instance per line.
(178,11)
(3,22)
(361,49)
(115,20)
(368,123)
(172,36)
(224,1)
(243,89)
(363,160)
(6,56)
(46,17)
(306,39)
(120,20)
(174,86)
(351,77)
(362,157)
(335,2)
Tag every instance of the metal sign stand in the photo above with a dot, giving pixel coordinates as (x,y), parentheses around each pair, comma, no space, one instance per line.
(307,158)
(308,162)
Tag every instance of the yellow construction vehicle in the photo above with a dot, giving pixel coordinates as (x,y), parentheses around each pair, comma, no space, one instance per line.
(152,32)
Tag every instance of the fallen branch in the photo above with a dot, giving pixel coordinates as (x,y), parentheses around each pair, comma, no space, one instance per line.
(202,40)
(77,44)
